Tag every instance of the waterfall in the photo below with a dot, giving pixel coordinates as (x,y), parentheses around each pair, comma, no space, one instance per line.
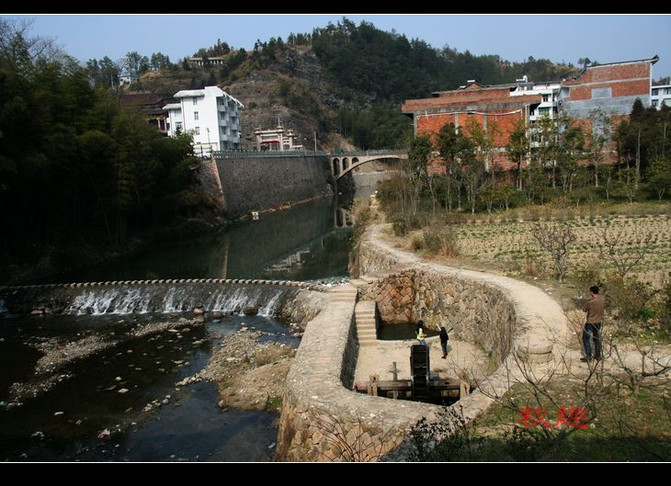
(179,297)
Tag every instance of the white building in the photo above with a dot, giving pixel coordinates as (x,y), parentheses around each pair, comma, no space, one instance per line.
(660,95)
(549,92)
(210,115)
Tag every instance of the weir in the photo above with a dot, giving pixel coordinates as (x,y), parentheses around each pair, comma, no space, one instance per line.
(228,296)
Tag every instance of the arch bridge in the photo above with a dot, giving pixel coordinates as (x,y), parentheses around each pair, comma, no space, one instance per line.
(345,162)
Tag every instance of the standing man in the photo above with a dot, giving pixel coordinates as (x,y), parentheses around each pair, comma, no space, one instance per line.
(594,316)
(443,341)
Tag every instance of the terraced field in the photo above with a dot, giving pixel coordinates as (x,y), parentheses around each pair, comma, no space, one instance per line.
(510,245)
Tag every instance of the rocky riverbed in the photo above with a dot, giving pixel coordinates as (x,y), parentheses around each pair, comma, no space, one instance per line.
(249,373)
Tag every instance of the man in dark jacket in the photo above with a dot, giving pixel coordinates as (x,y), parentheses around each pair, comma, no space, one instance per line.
(592,331)
(443,341)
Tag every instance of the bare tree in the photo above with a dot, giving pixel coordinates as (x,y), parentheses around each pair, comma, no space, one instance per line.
(623,255)
(556,239)
(20,49)
(645,366)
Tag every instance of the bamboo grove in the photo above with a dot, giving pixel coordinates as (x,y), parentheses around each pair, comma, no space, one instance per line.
(74,164)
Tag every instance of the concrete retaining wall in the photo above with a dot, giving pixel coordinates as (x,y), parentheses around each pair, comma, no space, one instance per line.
(256,184)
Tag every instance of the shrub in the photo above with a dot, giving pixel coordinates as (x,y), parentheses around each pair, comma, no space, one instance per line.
(441,240)
(587,274)
(417,242)
(628,300)
(399,226)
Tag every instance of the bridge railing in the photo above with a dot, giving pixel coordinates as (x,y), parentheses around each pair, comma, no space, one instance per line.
(241,154)
(254,154)
(361,153)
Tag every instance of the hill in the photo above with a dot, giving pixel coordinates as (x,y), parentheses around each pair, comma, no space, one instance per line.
(341,85)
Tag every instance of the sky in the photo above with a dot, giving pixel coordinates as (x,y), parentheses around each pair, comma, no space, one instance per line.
(604,38)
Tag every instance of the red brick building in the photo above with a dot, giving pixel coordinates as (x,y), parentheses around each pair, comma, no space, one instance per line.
(610,87)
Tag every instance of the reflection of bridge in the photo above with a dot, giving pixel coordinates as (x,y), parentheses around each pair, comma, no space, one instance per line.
(345,162)
(342,217)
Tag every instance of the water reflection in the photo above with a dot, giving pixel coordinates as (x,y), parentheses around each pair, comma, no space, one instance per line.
(306,242)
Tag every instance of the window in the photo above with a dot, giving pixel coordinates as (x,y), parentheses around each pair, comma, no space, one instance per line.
(195,115)
(178,126)
(195,102)
(546,98)
(197,130)
(222,115)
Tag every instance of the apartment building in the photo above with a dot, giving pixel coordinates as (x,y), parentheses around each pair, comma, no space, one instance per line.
(660,96)
(210,115)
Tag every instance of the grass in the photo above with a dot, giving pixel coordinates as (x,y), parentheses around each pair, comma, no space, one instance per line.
(618,427)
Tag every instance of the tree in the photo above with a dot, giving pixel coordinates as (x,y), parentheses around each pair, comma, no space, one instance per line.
(556,239)
(536,182)
(586,61)
(134,63)
(601,133)
(74,164)
(475,162)
(455,148)
(624,248)
(570,151)
(19,51)
(104,72)
(159,61)
(496,193)
(544,146)
(659,177)
(518,148)
(641,139)
(418,158)
(483,140)
(627,183)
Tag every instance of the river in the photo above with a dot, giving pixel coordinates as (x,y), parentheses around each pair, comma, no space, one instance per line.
(122,401)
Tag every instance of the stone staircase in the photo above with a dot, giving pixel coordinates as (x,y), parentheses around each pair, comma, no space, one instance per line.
(364,311)
(366,326)
(344,293)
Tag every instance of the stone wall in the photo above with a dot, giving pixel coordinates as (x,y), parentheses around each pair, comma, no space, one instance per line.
(323,419)
(478,313)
